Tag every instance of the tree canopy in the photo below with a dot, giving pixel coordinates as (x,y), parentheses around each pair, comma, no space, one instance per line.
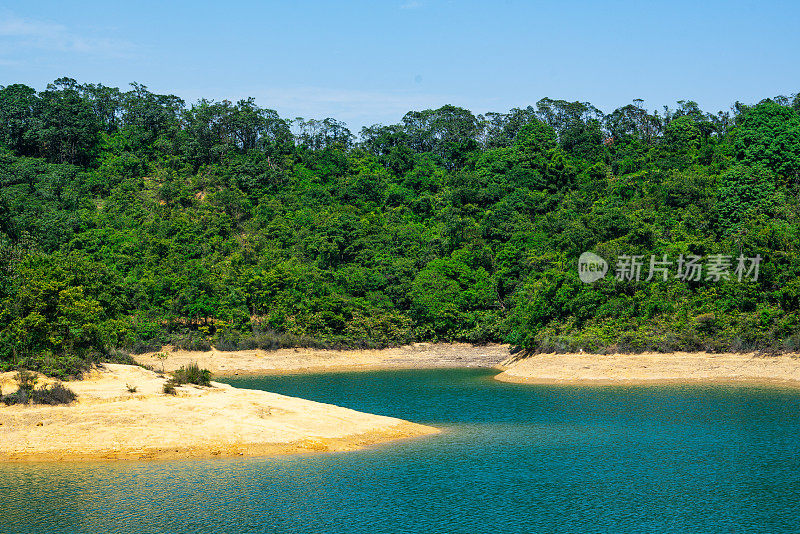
(130,219)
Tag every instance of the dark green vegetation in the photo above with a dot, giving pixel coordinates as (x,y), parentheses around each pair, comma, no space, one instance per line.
(129,220)
(191,374)
(28,393)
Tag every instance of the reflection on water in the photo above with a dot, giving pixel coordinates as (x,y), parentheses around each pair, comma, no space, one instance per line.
(512,459)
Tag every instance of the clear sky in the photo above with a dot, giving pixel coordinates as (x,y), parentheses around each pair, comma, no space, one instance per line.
(369,62)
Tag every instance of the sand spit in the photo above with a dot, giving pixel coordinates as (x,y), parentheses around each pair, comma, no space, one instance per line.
(283,361)
(108,422)
(653,368)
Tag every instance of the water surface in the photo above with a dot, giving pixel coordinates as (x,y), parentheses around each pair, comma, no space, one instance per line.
(513,458)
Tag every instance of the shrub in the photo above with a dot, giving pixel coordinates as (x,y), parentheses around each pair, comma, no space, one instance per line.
(120,356)
(191,342)
(227,343)
(169,388)
(140,347)
(26,381)
(57,393)
(54,394)
(161,356)
(18,397)
(192,374)
(272,340)
(130,388)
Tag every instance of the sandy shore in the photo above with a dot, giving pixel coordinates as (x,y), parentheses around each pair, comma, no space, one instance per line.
(108,422)
(652,368)
(283,361)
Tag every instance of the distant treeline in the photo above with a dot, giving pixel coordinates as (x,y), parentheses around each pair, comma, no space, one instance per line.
(129,220)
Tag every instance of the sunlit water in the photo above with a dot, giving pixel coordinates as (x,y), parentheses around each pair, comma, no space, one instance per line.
(512,459)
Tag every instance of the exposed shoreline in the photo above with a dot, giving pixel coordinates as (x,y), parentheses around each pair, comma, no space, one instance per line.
(545,369)
(679,368)
(258,362)
(109,423)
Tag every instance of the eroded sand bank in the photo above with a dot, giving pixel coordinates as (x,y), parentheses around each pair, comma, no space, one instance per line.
(108,422)
(282,361)
(652,368)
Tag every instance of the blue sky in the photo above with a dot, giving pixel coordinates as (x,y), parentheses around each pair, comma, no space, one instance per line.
(370,62)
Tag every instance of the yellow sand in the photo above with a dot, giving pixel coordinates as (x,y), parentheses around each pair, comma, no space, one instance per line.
(107,422)
(282,361)
(651,368)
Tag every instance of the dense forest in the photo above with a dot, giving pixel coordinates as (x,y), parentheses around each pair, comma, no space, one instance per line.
(130,220)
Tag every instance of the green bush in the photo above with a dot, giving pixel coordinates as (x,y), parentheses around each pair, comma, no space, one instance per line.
(192,374)
(26,381)
(194,342)
(27,393)
(119,356)
(56,393)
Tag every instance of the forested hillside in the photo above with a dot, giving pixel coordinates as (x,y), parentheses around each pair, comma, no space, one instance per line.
(130,219)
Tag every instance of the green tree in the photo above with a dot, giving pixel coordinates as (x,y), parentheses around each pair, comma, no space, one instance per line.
(769,134)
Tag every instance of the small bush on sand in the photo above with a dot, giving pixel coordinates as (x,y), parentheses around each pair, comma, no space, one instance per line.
(161,356)
(18,397)
(130,388)
(26,381)
(54,394)
(57,393)
(192,374)
(169,388)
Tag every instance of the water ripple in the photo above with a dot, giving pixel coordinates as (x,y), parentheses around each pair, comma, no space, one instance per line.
(512,460)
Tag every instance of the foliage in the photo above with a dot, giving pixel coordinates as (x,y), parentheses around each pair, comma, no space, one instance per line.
(770,134)
(56,393)
(26,381)
(192,374)
(27,392)
(130,221)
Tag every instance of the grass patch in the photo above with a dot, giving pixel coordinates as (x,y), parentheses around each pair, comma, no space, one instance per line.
(192,374)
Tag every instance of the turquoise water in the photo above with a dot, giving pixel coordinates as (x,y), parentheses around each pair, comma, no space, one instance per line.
(512,459)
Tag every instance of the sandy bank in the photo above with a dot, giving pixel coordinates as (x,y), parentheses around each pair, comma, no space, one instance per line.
(260,362)
(650,368)
(107,422)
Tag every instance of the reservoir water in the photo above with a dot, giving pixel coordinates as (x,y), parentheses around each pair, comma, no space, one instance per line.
(511,459)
